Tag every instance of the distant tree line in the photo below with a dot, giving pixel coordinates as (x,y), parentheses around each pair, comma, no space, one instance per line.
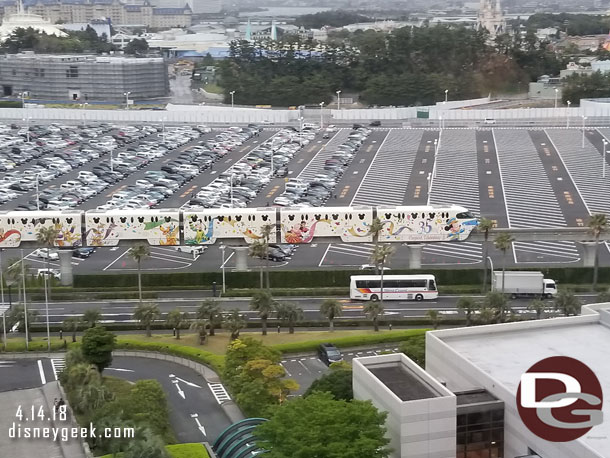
(334,18)
(411,66)
(573,24)
(78,41)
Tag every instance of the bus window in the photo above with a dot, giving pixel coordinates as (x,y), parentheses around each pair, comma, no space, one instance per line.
(431,285)
(465,215)
(391,284)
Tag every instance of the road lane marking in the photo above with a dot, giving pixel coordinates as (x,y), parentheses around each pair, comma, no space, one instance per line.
(43,379)
(199,425)
(219,392)
(58,365)
(180,392)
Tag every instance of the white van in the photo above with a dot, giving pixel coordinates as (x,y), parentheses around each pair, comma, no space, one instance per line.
(309,125)
(193,250)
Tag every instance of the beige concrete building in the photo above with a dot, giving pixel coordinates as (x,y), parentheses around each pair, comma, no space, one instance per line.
(71,11)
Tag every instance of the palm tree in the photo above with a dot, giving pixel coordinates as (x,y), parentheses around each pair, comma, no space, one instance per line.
(210,310)
(373,311)
(47,236)
(17,315)
(263,303)
(468,306)
(604,296)
(537,306)
(13,275)
(92,396)
(567,302)
(485,225)
(290,313)
(435,318)
(92,316)
(234,322)
(176,319)
(72,324)
(598,224)
(147,313)
(258,250)
(486,315)
(497,302)
(331,308)
(201,326)
(379,257)
(374,229)
(138,252)
(503,243)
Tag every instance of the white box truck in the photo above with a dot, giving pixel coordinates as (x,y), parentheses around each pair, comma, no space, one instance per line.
(524,283)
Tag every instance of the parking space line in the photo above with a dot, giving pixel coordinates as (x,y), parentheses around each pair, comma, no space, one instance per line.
(43,379)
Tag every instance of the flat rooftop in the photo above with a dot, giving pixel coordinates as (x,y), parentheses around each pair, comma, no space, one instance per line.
(507,353)
(402,382)
(474,397)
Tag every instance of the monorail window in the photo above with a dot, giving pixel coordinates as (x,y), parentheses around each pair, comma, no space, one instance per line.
(465,215)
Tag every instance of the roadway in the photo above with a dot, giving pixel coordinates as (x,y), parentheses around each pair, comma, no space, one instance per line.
(195,412)
(122,310)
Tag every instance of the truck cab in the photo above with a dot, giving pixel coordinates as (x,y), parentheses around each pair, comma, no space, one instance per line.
(550,287)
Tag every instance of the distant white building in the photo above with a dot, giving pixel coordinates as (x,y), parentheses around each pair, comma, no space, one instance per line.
(491,17)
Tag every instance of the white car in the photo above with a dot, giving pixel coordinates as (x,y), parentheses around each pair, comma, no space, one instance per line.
(45,253)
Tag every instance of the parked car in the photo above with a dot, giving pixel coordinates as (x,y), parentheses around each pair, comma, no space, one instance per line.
(83,253)
(329,354)
(45,253)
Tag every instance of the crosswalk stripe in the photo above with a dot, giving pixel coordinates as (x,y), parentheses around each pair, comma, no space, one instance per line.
(58,365)
(219,392)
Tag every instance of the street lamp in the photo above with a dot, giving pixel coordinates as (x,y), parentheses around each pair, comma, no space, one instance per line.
(222,250)
(429,186)
(37,194)
(84,105)
(338,100)
(126,94)
(440,122)
(556,94)
(300,134)
(25,305)
(272,170)
(446,93)
(27,127)
(321,114)
(232,100)
(436,144)
(163,129)
(232,176)
(584,118)
(568,117)
(604,158)
(23,95)
(2,307)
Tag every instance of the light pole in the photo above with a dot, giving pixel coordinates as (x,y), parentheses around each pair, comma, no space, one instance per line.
(111,162)
(232,99)
(27,127)
(556,94)
(491,264)
(436,140)
(300,134)
(37,194)
(440,122)
(446,94)
(25,306)
(321,115)
(222,250)
(163,129)
(604,158)
(568,116)
(84,113)
(126,94)
(23,96)
(584,118)
(272,171)
(429,186)
(232,176)
(2,299)
(338,100)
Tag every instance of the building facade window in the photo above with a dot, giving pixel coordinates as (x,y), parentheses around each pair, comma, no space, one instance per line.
(72,72)
(481,434)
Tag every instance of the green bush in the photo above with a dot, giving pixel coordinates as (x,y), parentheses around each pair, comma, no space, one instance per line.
(10,104)
(36,345)
(352,341)
(216,362)
(179,451)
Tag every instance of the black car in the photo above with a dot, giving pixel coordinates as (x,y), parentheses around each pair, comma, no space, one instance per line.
(329,354)
(83,253)
(375,123)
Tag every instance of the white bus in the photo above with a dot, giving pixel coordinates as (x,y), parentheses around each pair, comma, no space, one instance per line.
(395,287)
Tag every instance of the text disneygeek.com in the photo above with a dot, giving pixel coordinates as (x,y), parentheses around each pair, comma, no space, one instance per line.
(19,431)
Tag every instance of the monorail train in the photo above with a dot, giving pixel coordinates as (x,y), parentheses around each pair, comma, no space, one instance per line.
(207,226)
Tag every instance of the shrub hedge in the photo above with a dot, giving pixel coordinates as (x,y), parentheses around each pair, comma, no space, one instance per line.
(352,341)
(290,279)
(216,362)
(178,451)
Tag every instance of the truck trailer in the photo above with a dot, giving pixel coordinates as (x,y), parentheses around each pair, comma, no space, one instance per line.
(524,284)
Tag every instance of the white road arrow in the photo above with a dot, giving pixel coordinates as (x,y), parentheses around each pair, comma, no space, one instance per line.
(194,385)
(119,370)
(180,392)
(199,425)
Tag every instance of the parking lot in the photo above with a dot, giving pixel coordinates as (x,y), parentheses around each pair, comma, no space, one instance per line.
(518,177)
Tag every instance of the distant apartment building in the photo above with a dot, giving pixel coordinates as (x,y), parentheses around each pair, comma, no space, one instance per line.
(83,77)
(119,13)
